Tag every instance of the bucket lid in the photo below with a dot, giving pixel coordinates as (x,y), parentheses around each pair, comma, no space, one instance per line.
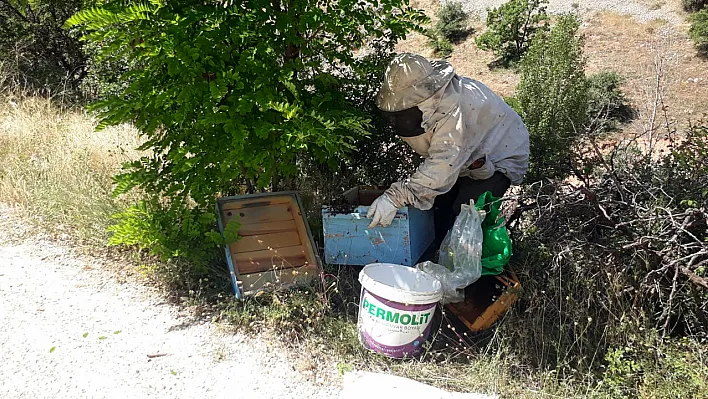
(399,283)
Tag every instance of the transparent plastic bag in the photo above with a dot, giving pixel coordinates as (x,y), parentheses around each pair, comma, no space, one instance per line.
(460,255)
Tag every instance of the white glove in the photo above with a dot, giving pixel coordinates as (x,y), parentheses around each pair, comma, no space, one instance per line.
(382,212)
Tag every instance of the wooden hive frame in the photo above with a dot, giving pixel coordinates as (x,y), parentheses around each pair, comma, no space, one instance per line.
(275,246)
(480,316)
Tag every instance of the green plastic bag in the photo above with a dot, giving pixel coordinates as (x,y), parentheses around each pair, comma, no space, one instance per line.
(496,244)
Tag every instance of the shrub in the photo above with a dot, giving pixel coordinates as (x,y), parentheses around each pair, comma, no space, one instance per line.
(37,53)
(452,21)
(511,27)
(617,261)
(699,31)
(441,46)
(234,99)
(105,74)
(552,98)
(693,5)
(607,104)
(379,159)
(650,368)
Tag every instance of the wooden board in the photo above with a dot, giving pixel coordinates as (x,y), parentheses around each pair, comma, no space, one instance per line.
(255,202)
(268,228)
(260,214)
(362,195)
(281,258)
(300,223)
(480,314)
(262,242)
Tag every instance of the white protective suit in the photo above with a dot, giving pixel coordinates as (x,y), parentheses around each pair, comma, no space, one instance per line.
(464,121)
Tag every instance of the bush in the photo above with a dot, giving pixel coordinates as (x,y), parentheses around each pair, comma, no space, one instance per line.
(693,5)
(511,27)
(106,75)
(36,52)
(699,31)
(649,368)
(441,46)
(452,21)
(553,97)
(233,100)
(616,265)
(607,104)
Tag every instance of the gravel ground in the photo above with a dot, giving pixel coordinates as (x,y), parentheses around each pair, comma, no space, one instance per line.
(643,11)
(71,330)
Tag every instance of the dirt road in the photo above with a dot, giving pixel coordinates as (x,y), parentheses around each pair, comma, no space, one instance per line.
(71,330)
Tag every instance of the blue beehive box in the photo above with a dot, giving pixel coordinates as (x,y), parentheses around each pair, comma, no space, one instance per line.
(349,241)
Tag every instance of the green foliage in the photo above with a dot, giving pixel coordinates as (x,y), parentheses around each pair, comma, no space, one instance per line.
(34,49)
(452,21)
(607,104)
(450,28)
(442,47)
(552,98)
(693,5)
(234,98)
(169,231)
(511,28)
(685,169)
(105,77)
(647,367)
(699,31)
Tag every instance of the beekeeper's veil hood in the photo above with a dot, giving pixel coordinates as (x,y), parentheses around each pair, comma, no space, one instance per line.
(411,79)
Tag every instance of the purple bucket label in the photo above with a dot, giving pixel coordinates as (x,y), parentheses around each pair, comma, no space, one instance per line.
(392,328)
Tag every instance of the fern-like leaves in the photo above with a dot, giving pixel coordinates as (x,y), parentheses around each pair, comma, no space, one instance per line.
(97,18)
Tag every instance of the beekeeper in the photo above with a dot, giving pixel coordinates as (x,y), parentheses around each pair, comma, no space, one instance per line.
(472,141)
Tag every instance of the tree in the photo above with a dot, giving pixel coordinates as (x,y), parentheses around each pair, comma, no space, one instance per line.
(553,98)
(511,27)
(232,96)
(35,50)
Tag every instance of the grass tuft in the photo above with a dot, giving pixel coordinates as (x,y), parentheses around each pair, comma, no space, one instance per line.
(57,170)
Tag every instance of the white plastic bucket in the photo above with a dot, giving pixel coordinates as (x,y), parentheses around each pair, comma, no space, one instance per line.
(396,308)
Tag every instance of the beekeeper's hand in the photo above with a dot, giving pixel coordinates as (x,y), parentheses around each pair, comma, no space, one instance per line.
(382,212)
